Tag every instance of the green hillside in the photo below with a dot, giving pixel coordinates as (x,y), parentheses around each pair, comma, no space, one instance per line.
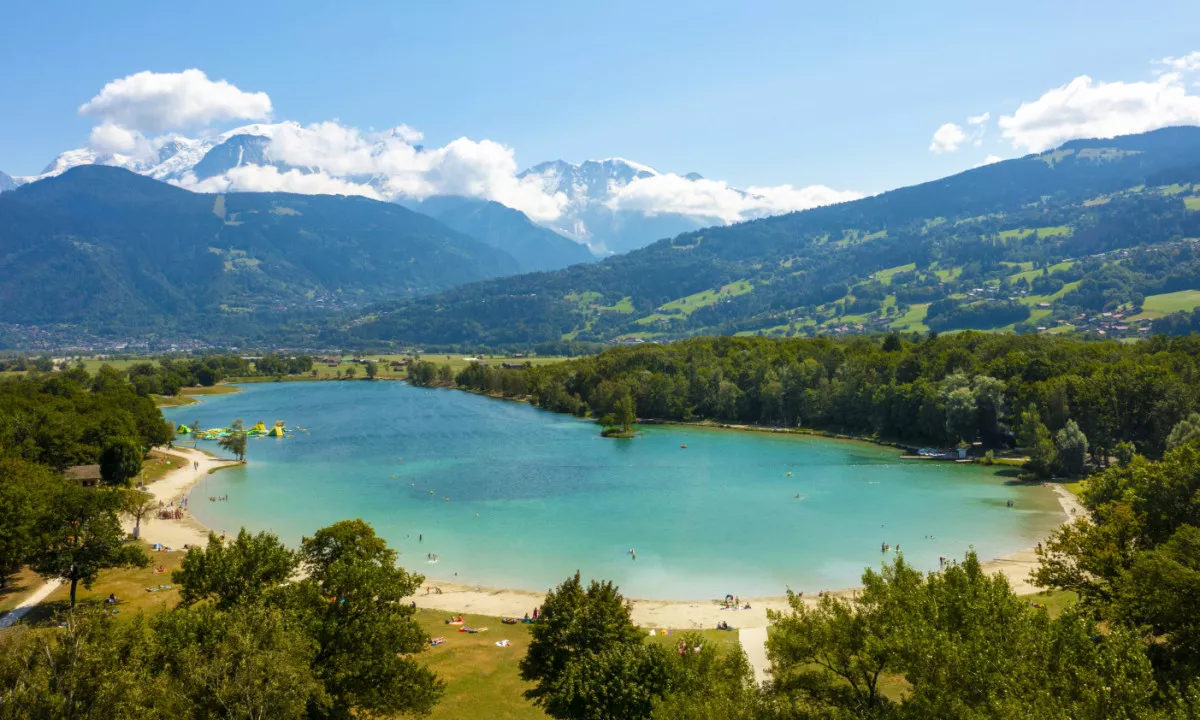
(106,249)
(1050,241)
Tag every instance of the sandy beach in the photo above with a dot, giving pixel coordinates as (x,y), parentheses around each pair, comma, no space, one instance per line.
(458,597)
(170,490)
(463,597)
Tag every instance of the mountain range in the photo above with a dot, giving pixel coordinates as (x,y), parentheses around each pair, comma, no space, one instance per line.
(590,216)
(1060,241)
(107,249)
(1048,241)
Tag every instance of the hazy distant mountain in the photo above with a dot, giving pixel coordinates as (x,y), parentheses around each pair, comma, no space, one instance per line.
(6,182)
(589,187)
(589,217)
(108,248)
(534,247)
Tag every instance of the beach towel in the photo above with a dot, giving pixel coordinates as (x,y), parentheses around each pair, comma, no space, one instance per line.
(502,643)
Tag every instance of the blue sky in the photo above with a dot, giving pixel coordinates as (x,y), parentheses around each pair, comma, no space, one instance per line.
(846,95)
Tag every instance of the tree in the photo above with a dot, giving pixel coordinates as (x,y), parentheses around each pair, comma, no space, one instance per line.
(89,668)
(120,461)
(81,536)
(351,605)
(576,626)
(1124,452)
(1034,436)
(622,681)
(1185,431)
(351,371)
(24,487)
(620,420)
(250,662)
(1071,446)
(961,422)
(234,573)
(235,442)
(138,505)
(966,647)
(372,369)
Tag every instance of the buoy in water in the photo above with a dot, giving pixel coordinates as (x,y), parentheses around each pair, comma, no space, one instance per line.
(789,475)
(430,492)
(447,499)
(683,447)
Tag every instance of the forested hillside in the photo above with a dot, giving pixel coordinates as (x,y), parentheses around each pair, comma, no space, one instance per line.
(107,249)
(1053,240)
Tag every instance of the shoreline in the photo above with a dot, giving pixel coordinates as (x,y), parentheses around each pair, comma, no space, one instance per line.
(458,596)
(695,614)
(169,490)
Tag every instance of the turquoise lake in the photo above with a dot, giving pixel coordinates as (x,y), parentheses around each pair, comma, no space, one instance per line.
(533,495)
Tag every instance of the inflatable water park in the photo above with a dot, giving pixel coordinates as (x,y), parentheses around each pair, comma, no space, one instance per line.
(258,430)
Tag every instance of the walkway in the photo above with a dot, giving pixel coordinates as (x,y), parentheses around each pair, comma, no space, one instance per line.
(754,643)
(28,603)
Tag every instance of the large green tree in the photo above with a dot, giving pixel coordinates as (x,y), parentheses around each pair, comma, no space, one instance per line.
(24,489)
(352,604)
(238,572)
(79,536)
(246,662)
(577,626)
(965,646)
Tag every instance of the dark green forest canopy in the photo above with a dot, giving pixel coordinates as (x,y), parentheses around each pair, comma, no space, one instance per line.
(68,418)
(884,386)
(1108,222)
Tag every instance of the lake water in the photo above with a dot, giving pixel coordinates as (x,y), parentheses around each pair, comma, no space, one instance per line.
(533,495)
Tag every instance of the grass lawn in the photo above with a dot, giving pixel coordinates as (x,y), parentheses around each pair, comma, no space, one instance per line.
(1076,486)
(885,276)
(1192,202)
(1030,274)
(187,395)
(1055,601)
(129,585)
(914,319)
(687,305)
(482,680)
(1167,303)
(159,464)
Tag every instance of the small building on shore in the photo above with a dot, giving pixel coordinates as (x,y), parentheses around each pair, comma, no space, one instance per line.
(85,475)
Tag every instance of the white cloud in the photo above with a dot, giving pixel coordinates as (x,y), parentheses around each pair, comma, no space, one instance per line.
(154,102)
(978,119)
(1085,109)
(267,178)
(989,160)
(332,158)
(670,193)
(1185,63)
(481,169)
(947,138)
(110,139)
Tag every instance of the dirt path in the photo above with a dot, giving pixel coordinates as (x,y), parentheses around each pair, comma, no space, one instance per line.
(754,643)
(29,603)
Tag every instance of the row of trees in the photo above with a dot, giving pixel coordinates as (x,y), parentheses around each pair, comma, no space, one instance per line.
(168,376)
(939,389)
